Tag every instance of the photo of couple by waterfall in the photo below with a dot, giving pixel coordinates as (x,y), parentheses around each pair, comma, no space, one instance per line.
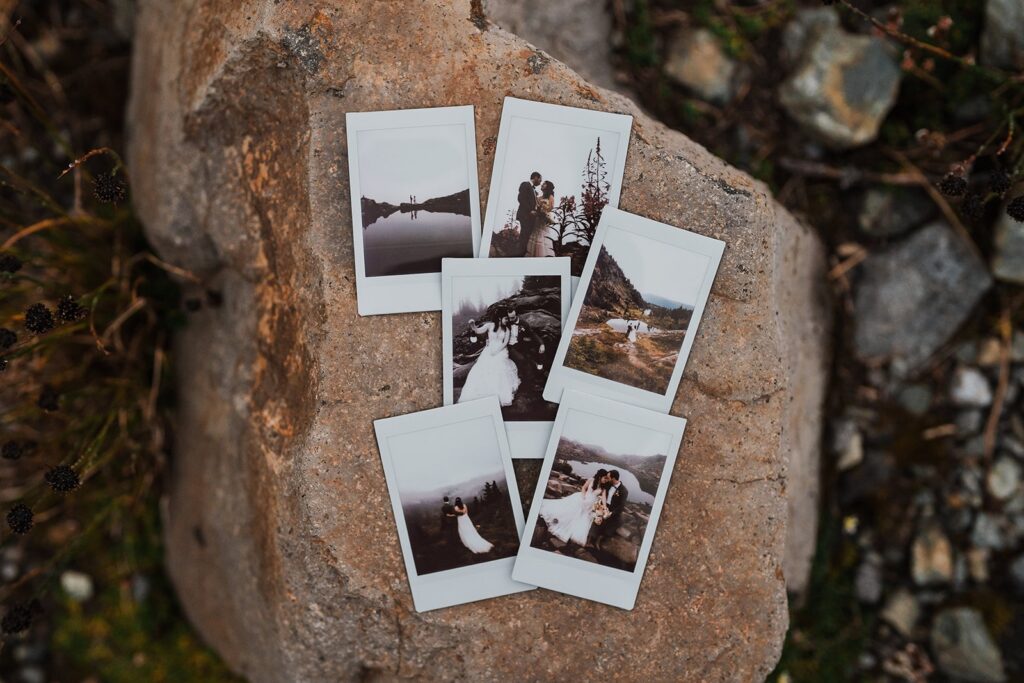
(505,330)
(598,498)
(636,311)
(414,199)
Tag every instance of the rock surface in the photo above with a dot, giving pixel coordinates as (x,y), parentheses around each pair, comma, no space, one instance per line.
(1002,40)
(279,534)
(891,211)
(696,61)
(577,32)
(912,297)
(1008,259)
(963,648)
(843,84)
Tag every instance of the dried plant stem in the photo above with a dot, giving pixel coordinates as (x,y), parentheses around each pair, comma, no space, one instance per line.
(1005,342)
(89,155)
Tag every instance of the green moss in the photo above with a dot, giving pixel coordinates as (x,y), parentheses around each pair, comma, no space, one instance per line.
(640,46)
(829,631)
(115,638)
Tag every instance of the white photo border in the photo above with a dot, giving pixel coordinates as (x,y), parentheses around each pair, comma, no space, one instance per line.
(573,576)
(562,378)
(526,439)
(513,107)
(420,291)
(462,584)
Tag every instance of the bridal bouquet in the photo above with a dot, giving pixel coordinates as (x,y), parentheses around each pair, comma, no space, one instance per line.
(600,511)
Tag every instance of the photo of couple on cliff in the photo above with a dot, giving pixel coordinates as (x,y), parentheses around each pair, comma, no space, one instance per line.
(598,498)
(505,330)
(457,511)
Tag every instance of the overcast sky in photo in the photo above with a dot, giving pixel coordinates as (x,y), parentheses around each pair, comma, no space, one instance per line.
(425,161)
(615,436)
(446,456)
(658,268)
(488,288)
(557,151)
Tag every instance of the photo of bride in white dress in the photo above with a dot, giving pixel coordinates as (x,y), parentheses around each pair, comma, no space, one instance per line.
(494,373)
(569,519)
(504,333)
(468,534)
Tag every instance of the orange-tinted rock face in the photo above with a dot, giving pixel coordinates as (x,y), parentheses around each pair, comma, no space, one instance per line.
(279,530)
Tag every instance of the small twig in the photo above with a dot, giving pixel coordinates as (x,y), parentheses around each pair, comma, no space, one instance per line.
(136,306)
(940,201)
(938,432)
(920,44)
(45,224)
(1006,341)
(848,175)
(844,266)
(89,155)
(181,272)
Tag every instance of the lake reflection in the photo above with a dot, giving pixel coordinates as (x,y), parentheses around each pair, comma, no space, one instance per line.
(409,243)
(619,325)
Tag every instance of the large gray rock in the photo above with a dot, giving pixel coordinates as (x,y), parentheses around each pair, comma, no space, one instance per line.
(1002,40)
(963,648)
(696,61)
(1008,259)
(577,32)
(913,297)
(279,534)
(843,84)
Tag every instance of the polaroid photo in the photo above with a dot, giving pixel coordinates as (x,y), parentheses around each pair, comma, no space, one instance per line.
(502,320)
(633,322)
(415,201)
(455,501)
(602,486)
(555,169)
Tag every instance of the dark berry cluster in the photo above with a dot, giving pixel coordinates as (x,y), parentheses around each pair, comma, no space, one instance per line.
(19,518)
(1015,209)
(1000,183)
(9,263)
(69,310)
(109,188)
(39,319)
(953,185)
(973,206)
(62,479)
(49,399)
(17,618)
(8,338)
(12,450)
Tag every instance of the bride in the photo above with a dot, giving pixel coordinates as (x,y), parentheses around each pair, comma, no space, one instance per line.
(569,518)
(468,534)
(540,242)
(494,373)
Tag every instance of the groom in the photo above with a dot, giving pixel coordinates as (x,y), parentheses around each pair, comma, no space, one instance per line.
(449,521)
(616,494)
(526,213)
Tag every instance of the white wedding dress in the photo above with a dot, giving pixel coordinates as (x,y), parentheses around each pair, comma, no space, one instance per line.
(569,518)
(470,537)
(494,373)
(632,332)
(541,242)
